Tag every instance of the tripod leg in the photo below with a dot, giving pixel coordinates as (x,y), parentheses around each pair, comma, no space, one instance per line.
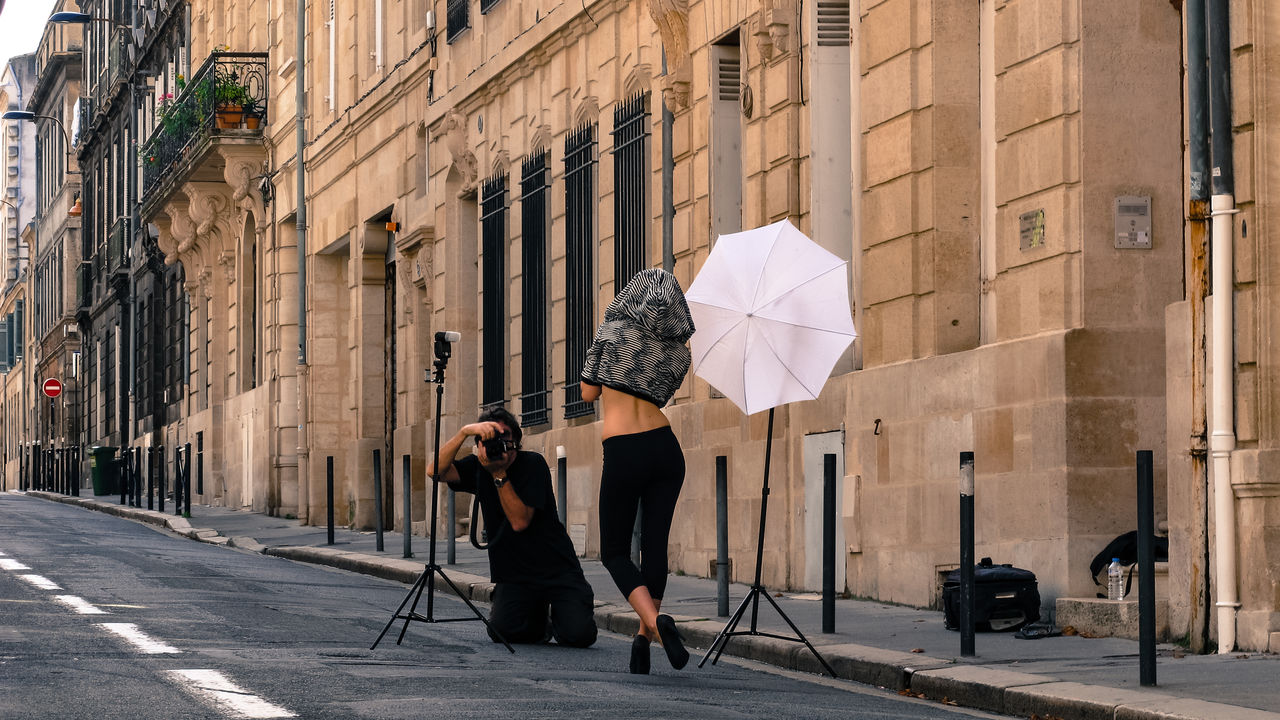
(476,610)
(424,582)
(723,638)
(800,635)
(415,589)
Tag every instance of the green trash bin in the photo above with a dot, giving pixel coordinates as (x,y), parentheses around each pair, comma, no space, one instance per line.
(104,470)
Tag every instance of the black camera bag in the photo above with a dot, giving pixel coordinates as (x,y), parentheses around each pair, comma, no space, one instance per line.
(1005,597)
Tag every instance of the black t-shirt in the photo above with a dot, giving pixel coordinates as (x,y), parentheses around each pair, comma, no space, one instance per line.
(541,554)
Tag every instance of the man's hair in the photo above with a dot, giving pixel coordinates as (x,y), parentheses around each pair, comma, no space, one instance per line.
(497,413)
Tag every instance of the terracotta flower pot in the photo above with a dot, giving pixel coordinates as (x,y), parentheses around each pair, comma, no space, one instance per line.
(229,116)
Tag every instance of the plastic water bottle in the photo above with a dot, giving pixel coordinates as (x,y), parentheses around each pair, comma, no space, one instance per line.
(1115,580)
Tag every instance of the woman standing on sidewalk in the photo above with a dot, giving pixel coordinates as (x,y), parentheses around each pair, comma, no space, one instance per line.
(636,362)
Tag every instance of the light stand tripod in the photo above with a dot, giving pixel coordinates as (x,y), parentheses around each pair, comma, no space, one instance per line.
(757,590)
(427,579)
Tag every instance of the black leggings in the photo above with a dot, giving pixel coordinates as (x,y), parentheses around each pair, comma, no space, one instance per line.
(644,470)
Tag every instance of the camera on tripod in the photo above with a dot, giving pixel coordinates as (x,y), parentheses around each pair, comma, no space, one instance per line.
(498,445)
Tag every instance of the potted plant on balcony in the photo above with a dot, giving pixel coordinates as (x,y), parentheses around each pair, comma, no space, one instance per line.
(230,97)
(252,115)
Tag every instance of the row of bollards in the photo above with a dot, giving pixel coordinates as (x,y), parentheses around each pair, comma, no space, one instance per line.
(54,469)
(1146,564)
(143,472)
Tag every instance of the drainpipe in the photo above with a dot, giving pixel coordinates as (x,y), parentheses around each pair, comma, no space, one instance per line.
(668,176)
(1222,440)
(300,69)
(1198,222)
(130,427)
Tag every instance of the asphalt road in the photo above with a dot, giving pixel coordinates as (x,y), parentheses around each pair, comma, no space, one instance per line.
(189,630)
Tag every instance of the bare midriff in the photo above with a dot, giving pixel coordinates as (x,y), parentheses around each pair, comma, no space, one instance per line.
(627,414)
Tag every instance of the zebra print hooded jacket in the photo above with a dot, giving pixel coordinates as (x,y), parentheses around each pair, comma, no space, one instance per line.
(640,348)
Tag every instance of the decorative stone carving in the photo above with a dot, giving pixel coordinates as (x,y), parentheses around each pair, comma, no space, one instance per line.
(227,260)
(454,129)
(214,215)
(672,19)
(773,33)
(244,166)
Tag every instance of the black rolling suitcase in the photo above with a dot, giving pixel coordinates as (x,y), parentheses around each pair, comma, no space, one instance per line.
(1005,597)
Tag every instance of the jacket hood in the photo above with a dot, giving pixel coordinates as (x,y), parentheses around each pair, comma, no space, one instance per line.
(653,299)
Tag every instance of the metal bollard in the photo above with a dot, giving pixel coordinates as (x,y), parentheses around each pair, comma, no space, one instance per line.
(722,536)
(186,478)
(177,481)
(407,530)
(450,543)
(328,475)
(1146,572)
(137,477)
(377,493)
(151,469)
(200,463)
(162,477)
(967,595)
(828,543)
(562,486)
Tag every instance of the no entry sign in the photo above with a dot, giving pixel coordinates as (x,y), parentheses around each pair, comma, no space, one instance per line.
(52,387)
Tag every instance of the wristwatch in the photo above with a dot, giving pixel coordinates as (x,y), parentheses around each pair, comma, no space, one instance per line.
(499,481)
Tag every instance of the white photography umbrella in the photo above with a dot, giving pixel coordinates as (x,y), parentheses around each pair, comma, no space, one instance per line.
(772,311)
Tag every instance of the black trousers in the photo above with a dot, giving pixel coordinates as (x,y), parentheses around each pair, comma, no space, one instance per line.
(642,472)
(520,613)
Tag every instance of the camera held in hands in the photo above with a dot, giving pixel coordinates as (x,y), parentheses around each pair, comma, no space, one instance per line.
(498,445)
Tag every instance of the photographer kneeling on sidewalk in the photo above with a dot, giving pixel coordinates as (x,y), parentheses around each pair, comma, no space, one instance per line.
(531,558)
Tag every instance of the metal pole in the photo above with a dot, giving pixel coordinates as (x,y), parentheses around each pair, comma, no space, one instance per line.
(161,477)
(122,477)
(1146,572)
(328,489)
(377,493)
(200,463)
(562,486)
(451,509)
(722,536)
(177,481)
(829,543)
(668,183)
(408,511)
(151,469)
(966,556)
(186,478)
(137,478)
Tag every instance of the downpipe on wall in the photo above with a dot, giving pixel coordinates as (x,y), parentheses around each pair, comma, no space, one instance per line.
(1222,439)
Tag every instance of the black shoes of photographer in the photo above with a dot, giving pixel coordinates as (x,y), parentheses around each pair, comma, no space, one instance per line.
(640,655)
(671,642)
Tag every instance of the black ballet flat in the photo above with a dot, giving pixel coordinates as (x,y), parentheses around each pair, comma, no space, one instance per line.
(671,642)
(640,655)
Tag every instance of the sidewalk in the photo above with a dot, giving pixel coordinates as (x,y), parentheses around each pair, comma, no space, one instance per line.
(895,647)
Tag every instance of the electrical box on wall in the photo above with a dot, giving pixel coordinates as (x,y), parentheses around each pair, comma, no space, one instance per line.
(1133,222)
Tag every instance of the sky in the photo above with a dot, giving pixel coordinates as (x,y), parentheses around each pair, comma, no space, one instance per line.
(21,23)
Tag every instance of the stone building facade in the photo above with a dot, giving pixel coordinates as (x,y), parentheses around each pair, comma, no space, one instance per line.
(1004,177)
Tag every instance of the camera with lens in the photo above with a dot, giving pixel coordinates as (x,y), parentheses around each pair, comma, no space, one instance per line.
(498,445)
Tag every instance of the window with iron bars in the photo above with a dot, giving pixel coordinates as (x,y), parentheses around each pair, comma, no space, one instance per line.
(493,232)
(630,171)
(580,203)
(535,180)
(458,18)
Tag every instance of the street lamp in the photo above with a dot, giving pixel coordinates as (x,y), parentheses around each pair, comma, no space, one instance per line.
(79,18)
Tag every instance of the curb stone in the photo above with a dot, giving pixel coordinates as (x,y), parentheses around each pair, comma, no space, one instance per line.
(984,688)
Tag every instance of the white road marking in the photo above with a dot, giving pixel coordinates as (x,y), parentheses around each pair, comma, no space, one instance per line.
(12,565)
(80,605)
(145,643)
(219,690)
(41,582)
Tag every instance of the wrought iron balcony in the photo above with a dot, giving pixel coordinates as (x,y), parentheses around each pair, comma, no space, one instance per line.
(225,99)
(117,259)
(84,285)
